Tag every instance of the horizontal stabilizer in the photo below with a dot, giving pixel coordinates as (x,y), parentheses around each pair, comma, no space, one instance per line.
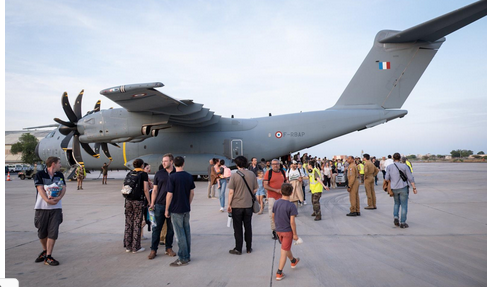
(438,28)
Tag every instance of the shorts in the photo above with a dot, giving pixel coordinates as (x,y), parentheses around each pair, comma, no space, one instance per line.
(47,222)
(286,239)
(261,192)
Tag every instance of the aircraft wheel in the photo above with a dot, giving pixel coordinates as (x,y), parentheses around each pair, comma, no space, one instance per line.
(204,177)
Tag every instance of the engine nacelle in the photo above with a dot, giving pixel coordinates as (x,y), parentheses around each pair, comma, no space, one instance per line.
(119,125)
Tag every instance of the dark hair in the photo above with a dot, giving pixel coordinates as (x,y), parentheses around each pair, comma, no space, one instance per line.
(241,161)
(145,164)
(312,163)
(179,161)
(397,156)
(262,159)
(51,160)
(286,189)
(366,156)
(137,163)
(253,158)
(389,156)
(222,162)
(215,160)
(169,155)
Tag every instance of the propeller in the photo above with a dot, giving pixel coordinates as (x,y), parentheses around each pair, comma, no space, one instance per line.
(69,129)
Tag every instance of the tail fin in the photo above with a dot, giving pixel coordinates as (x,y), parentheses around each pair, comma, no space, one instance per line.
(397,60)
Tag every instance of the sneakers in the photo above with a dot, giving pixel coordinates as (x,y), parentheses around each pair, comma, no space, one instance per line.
(128,250)
(396,221)
(313,214)
(279,276)
(352,214)
(222,209)
(317,218)
(305,203)
(152,255)
(178,263)
(294,264)
(404,225)
(235,252)
(140,250)
(358,214)
(50,261)
(170,252)
(41,257)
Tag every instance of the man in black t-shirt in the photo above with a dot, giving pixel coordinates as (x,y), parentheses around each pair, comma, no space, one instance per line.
(158,205)
(180,192)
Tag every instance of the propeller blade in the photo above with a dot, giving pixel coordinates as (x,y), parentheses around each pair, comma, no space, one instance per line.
(105,148)
(67,108)
(66,140)
(61,122)
(76,150)
(77,107)
(66,130)
(89,150)
(97,106)
(97,148)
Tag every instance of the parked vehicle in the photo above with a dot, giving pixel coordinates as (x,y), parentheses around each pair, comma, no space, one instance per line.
(29,174)
(11,168)
(18,167)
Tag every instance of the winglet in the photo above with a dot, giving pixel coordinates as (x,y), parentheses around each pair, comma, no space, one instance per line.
(438,28)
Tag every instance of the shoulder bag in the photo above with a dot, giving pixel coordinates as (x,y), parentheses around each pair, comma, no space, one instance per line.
(256,205)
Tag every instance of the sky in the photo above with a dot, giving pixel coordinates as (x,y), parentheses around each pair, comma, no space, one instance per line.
(247,59)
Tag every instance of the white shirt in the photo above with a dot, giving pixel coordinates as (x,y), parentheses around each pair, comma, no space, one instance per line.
(388,162)
(293,174)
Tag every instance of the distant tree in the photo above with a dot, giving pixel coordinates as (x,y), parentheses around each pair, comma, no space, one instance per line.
(412,156)
(27,146)
(466,153)
(425,157)
(440,156)
(455,153)
(481,152)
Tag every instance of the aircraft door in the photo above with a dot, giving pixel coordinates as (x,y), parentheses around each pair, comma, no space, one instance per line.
(236,148)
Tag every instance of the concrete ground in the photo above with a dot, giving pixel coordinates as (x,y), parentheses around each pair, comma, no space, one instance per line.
(445,245)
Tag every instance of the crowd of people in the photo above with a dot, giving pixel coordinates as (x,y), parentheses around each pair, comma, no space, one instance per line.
(279,186)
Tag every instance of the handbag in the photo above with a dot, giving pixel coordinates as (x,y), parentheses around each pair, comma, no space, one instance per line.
(256,205)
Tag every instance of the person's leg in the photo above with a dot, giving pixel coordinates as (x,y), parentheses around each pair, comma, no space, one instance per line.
(383,174)
(129,225)
(316,206)
(209,186)
(222,192)
(248,214)
(260,200)
(160,219)
(44,243)
(188,237)
(397,203)
(214,190)
(370,182)
(137,222)
(177,221)
(169,234)
(271,201)
(238,218)
(369,196)
(50,246)
(404,197)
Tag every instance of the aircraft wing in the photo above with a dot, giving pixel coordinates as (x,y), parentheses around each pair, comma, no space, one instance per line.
(145,98)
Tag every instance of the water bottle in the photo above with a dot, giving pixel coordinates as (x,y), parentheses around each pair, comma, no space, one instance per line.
(230,218)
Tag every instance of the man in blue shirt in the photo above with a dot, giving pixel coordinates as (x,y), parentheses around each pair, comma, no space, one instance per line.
(400,188)
(180,192)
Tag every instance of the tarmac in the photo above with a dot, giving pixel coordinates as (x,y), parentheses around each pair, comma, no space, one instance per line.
(445,245)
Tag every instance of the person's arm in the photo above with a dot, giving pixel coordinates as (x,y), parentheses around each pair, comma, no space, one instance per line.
(43,194)
(230,199)
(191,197)
(318,179)
(293,226)
(154,195)
(169,197)
(146,191)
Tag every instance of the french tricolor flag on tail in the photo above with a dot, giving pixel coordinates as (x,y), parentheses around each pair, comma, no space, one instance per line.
(384,65)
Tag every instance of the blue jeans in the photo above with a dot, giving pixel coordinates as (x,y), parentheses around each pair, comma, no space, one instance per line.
(160,220)
(401,197)
(181,226)
(222,191)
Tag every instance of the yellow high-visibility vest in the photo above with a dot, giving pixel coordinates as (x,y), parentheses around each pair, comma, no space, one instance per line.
(361,168)
(314,184)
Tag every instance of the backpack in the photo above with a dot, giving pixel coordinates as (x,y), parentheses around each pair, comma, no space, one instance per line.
(227,172)
(132,189)
(270,172)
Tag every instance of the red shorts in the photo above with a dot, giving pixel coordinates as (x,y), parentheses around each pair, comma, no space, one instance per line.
(286,239)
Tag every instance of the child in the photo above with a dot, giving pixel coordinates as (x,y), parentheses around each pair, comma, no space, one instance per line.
(261,190)
(284,213)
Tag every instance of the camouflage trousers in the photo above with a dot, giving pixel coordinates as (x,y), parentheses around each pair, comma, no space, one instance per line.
(315,203)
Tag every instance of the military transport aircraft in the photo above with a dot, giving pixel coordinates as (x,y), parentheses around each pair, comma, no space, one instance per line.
(150,123)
